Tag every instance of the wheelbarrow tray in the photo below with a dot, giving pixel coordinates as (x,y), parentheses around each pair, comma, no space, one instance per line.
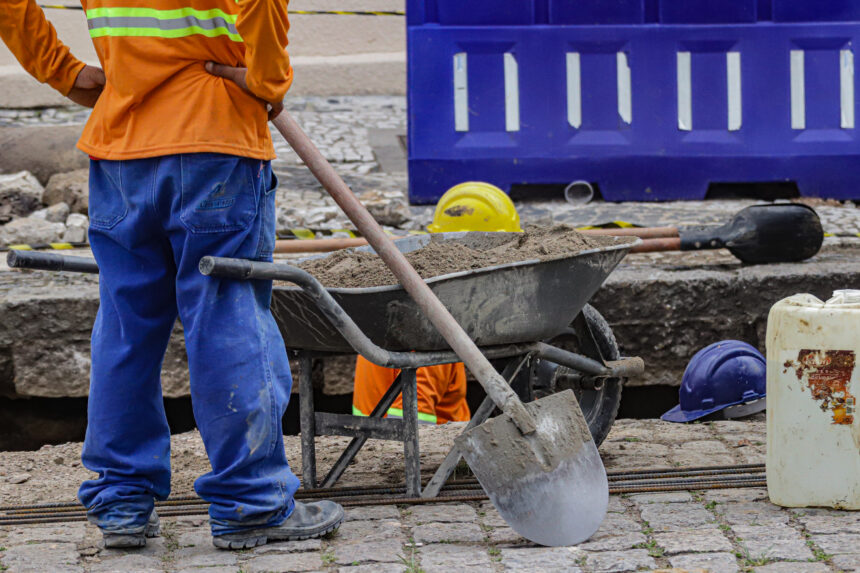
(510,303)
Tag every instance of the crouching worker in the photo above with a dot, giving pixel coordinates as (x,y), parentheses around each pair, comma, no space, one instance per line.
(180,170)
(441,391)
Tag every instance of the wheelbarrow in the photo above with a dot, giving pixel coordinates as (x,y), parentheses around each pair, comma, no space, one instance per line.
(530,317)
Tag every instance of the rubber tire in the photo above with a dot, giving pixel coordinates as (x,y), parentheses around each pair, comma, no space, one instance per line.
(600,407)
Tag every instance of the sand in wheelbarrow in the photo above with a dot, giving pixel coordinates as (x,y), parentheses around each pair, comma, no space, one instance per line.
(356,269)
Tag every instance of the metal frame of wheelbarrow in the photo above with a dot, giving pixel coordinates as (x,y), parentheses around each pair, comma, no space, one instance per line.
(376,426)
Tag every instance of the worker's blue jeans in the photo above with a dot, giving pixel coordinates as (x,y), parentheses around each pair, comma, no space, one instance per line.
(151,220)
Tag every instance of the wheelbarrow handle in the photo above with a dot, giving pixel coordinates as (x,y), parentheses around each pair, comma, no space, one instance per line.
(50,262)
(495,386)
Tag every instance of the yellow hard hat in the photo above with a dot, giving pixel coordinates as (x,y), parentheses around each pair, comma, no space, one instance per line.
(475,206)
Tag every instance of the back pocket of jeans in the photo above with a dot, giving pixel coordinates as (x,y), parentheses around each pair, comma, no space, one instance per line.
(218,193)
(107,204)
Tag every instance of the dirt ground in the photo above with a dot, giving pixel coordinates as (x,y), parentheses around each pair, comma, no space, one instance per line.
(53,473)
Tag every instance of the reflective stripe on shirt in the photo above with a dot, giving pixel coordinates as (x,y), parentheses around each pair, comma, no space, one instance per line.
(177,23)
(398,413)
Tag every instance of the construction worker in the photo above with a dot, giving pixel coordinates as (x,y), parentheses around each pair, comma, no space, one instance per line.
(471,206)
(180,169)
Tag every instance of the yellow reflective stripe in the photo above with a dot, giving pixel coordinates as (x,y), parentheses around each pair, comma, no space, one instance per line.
(421,415)
(160,14)
(158,33)
(430,418)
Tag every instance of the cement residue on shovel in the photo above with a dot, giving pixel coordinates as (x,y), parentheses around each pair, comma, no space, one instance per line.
(361,269)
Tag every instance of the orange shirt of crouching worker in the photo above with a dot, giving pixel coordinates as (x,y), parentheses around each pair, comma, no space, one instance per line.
(441,391)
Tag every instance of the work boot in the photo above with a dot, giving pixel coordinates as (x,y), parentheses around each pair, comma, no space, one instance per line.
(130,540)
(308,520)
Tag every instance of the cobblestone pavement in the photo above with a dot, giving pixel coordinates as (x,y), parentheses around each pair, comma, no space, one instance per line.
(716,530)
(341,127)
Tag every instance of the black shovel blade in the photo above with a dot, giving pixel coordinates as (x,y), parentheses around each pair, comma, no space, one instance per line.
(763,234)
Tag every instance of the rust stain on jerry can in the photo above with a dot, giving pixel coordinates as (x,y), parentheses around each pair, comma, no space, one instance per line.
(827,373)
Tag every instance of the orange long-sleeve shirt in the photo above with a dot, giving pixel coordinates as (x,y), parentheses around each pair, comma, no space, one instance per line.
(159,99)
(441,391)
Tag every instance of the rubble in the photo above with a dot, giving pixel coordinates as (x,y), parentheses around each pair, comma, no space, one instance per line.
(56,213)
(71,188)
(77,226)
(20,195)
(31,231)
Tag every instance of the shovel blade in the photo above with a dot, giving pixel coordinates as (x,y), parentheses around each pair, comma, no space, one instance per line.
(550,486)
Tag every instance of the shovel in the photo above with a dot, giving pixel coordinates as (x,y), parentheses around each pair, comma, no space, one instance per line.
(537,463)
(758,234)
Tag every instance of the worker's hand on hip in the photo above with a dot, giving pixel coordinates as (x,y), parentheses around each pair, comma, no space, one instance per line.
(88,86)
(237,75)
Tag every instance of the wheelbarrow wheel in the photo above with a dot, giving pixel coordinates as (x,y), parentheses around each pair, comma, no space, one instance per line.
(599,401)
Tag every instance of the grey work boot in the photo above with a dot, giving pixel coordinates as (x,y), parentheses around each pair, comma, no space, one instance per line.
(308,520)
(130,540)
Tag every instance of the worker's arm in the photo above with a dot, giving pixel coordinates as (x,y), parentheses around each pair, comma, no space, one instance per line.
(33,40)
(263,25)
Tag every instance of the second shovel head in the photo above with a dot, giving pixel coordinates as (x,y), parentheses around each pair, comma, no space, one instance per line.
(551,486)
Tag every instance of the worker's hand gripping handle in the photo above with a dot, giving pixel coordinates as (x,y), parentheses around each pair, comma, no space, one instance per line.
(493,383)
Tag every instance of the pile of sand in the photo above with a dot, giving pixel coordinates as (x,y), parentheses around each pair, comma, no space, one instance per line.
(353,269)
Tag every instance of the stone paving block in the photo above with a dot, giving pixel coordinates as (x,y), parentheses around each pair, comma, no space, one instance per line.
(375,568)
(370,552)
(639,450)
(793,567)
(829,521)
(283,563)
(372,512)
(667,497)
(448,532)
(506,536)
(627,462)
(711,562)
(543,559)
(620,561)
(752,513)
(366,531)
(40,557)
(847,562)
(701,453)
(615,523)
(444,558)
(193,538)
(838,543)
(772,542)
(203,556)
(443,513)
(128,564)
(613,542)
(736,494)
(677,516)
(60,533)
(490,517)
(288,547)
(615,505)
(695,540)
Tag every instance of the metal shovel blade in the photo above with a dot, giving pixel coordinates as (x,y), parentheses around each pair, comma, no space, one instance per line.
(549,486)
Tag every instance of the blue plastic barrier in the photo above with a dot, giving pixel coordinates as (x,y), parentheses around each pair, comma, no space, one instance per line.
(651,100)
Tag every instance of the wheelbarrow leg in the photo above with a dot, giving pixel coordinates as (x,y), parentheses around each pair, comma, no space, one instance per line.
(410,433)
(356,443)
(446,468)
(307,422)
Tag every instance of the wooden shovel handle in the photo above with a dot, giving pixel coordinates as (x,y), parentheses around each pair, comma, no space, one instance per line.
(328,245)
(496,386)
(316,245)
(657,245)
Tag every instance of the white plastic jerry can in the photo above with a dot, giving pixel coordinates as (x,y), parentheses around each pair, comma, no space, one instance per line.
(813,427)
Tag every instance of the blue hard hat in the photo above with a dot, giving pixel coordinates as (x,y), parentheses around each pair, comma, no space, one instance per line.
(723,374)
